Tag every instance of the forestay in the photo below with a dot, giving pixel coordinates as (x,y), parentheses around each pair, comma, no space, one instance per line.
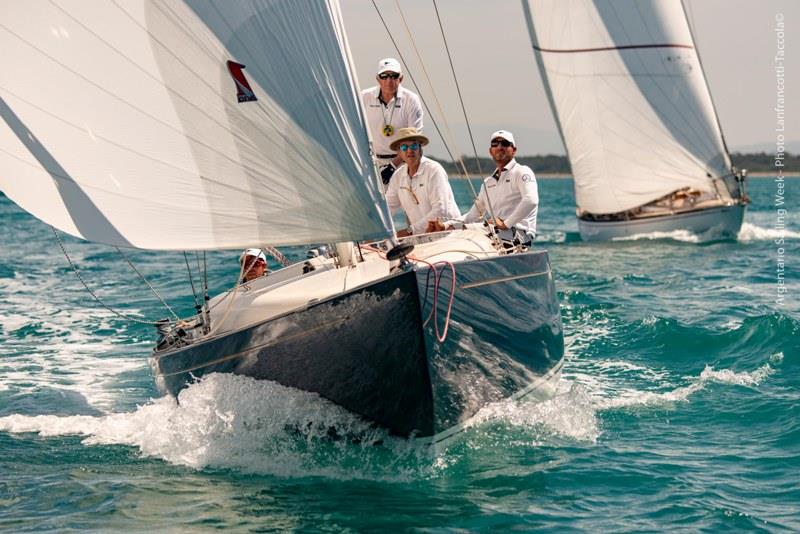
(122,123)
(628,91)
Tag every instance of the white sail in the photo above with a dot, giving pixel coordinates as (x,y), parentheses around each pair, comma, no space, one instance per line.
(121,123)
(629,94)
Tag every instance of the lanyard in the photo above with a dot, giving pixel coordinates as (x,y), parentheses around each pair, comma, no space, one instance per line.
(388,129)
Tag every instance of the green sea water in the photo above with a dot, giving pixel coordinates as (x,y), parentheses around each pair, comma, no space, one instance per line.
(678,409)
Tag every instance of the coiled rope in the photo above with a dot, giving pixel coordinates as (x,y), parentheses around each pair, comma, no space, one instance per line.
(434,304)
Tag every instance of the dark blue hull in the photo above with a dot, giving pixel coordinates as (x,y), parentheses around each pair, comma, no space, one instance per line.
(370,351)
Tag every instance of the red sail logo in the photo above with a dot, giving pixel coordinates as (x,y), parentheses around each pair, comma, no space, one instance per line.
(243,91)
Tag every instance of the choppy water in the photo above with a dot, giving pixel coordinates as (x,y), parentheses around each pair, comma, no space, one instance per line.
(679,407)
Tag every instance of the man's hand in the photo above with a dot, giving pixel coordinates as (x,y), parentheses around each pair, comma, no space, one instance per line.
(438,226)
(498,223)
(403,233)
(434,226)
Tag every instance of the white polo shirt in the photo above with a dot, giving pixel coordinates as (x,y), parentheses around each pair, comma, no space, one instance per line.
(514,197)
(403,111)
(425,196)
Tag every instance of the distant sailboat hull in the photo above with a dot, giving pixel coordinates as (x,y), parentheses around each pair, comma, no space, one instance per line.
(710,224)
(374,350)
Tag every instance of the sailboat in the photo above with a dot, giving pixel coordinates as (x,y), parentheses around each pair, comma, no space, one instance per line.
(635,114)
(201,126)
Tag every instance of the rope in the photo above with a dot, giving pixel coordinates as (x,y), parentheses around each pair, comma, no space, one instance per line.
(143,279)
(434,308)
(96,298)
(277,255)
(459,158)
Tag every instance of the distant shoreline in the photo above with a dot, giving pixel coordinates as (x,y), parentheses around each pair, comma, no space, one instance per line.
(566,176)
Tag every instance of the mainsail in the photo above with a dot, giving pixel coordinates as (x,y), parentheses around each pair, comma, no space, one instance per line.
(628,92)
(186,125)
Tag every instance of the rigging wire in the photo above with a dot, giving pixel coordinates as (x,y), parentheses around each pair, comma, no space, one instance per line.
(191,281)
(459,158)
(424,103)
(435,124)
(143,279)
(458,89)
(205,278)
(92,293)
(430,84)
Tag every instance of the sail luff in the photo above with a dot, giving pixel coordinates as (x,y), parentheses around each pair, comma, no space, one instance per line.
(720,132)
(526,11)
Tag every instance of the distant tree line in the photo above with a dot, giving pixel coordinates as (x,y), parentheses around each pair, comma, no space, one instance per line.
(555,164)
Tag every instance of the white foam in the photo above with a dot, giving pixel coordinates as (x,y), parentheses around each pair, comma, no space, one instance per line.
(62,350)
(751,232)
(726,376)
(231,421)
(676,235)
(569,414)
(626,397)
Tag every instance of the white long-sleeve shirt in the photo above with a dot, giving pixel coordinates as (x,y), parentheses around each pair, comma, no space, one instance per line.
(425,196)
(514,197)
(403,111)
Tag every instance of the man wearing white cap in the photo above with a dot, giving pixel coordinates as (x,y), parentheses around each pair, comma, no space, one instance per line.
(254,264)
(389,107)
(419,186)
(510,194)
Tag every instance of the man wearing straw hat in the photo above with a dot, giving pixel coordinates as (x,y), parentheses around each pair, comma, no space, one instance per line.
(389,108)
(420,185)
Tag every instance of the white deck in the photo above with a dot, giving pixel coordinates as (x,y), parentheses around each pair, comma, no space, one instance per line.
(289,289)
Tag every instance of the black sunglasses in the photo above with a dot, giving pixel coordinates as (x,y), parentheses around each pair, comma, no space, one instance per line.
(501,142)
(387,75)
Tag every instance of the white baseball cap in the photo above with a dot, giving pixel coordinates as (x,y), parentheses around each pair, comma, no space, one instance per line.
(508,136)
(256,252)
(389,64)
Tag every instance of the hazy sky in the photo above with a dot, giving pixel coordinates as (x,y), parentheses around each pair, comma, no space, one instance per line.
(500,81)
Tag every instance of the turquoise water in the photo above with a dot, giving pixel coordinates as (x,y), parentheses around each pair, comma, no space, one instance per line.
(679,406)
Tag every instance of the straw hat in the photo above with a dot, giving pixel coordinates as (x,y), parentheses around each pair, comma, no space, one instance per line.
(408,134)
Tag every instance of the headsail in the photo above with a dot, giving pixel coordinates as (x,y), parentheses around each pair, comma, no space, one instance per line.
(628,91)
(124,123)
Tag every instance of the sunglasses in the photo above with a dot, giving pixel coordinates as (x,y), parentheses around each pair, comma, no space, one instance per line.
(412,146)
(387,75)
(501,142)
